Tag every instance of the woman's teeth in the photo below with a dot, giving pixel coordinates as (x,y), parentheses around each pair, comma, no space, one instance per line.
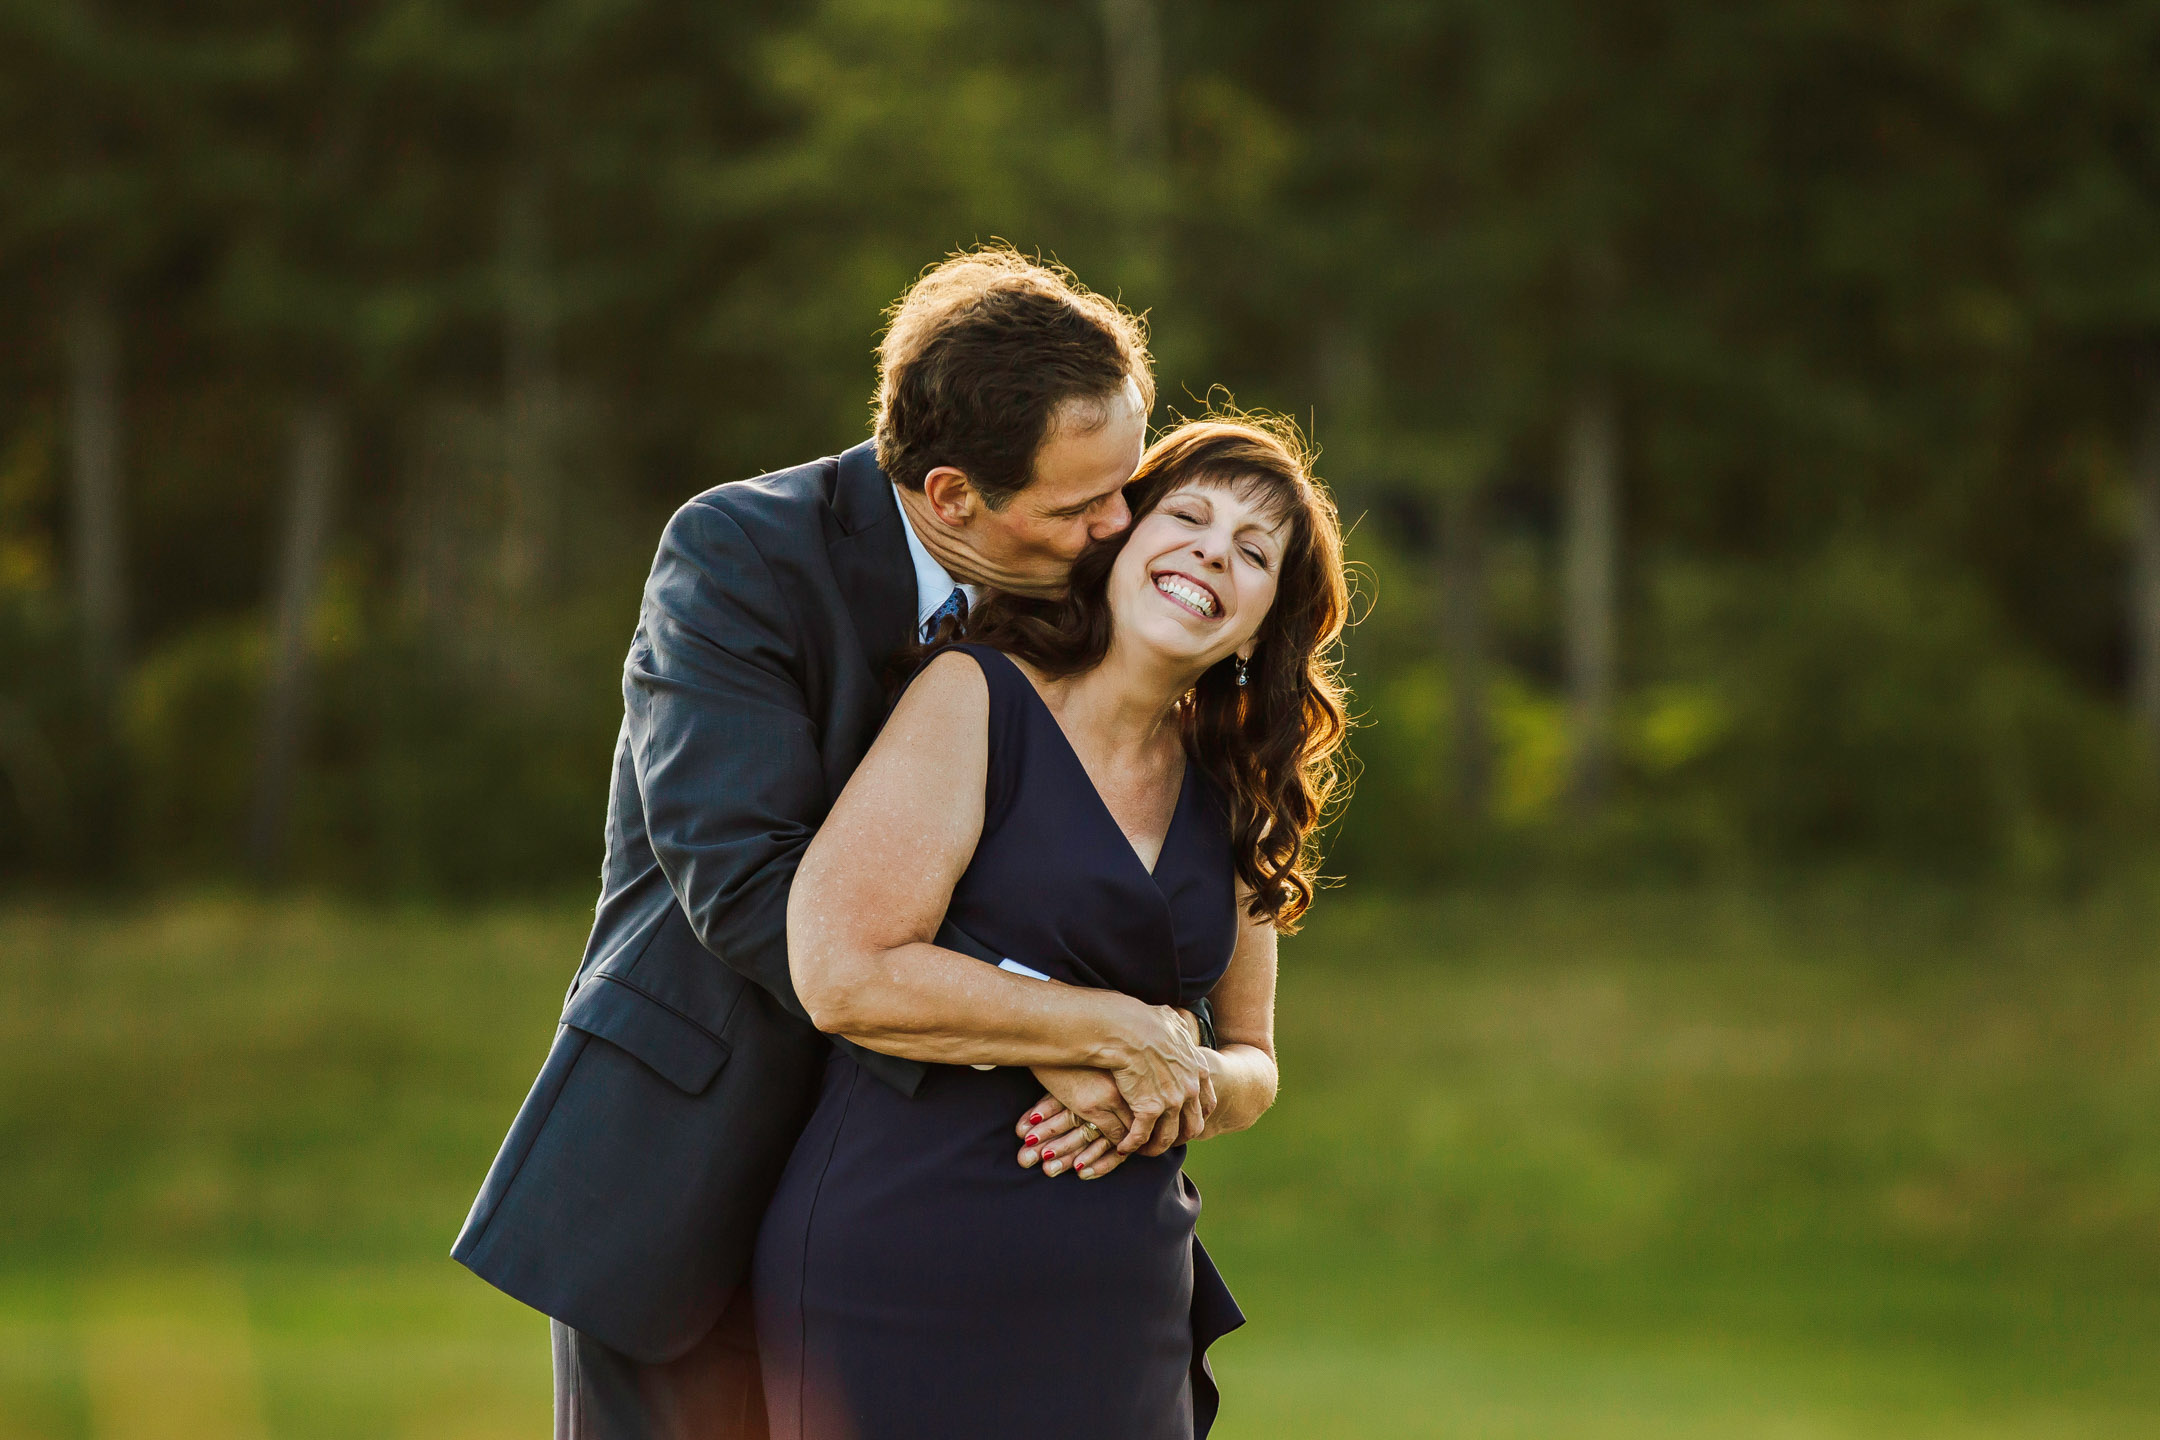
(1178,588)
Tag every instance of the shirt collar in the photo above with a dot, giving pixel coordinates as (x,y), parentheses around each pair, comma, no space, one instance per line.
(933,583)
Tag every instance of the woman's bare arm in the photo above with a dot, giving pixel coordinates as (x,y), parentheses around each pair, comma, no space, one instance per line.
(874,886)
(1244,1001)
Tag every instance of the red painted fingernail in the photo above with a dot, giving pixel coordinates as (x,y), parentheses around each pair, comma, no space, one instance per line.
(1031,1140)
(1049,1154)
(1036,1118)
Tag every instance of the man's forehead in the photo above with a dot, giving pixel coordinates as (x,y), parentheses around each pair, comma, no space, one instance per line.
(1076,465)
(1097,417)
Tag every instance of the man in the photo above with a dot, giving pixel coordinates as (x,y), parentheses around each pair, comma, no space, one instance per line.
(1012,408)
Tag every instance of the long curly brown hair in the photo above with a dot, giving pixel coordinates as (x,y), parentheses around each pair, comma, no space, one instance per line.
(1271,746)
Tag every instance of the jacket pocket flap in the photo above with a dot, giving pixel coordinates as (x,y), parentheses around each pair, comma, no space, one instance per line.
(680,1051)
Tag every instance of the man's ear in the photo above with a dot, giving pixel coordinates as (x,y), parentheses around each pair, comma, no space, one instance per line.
(951,495)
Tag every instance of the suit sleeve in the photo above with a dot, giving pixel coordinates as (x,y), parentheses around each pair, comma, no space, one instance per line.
(725,751)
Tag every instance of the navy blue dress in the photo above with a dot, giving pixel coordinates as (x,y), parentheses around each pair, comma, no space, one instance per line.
(912,1281)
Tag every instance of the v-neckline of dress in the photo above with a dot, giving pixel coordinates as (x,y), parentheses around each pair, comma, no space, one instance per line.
(1102,806)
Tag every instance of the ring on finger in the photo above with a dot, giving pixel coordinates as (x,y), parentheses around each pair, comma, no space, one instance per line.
(1094,1131)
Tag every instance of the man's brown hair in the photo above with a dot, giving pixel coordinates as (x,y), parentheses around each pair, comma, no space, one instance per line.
(985,354)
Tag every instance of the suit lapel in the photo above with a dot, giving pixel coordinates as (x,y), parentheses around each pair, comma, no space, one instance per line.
(870,557)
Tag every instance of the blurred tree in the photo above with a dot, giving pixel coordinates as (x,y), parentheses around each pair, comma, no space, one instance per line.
(108,186)
(2077,126)
(1589,566)
(98,512)
(1626,328)
(82,169)
(1466,644)
(1133,50)
(317,445)
(532,388)
(897,134)
(2145,572)
(1461,162)
(304,290)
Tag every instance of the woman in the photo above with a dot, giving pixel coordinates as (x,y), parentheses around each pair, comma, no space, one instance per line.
(1115,793)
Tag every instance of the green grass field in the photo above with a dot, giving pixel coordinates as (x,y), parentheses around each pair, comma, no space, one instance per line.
(1696,1164)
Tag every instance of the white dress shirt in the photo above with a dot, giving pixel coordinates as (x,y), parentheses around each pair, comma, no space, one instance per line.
(933,583)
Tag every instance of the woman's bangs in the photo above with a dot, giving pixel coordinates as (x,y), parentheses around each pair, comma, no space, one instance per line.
(1277,496)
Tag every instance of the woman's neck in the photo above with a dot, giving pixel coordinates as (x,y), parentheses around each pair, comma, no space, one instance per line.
(1128,703)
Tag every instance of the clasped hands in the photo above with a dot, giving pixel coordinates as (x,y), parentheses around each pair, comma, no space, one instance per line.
(1089,1121)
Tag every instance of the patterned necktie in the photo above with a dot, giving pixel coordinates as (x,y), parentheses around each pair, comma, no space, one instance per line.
(954,610)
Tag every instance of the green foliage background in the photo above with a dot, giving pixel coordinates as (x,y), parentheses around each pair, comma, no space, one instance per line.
(1876,287)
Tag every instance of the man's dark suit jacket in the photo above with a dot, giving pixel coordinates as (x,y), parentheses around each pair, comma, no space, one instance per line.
(626,1199)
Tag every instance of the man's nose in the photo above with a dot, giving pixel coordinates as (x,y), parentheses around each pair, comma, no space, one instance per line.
(1115,517)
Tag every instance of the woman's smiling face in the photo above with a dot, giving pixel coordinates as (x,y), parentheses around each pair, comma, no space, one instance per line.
(1198,573)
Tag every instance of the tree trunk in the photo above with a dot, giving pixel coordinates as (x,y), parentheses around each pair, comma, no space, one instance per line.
(2145,572)
(1133,46)
(532,392)
(316,440)
(1462,630)
(1133,34)
(100,539)
(1591,562)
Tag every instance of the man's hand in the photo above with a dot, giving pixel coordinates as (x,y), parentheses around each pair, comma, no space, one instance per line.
(1153,1053)
(1051,1133)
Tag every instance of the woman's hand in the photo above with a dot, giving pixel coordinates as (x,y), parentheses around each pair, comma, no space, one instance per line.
(1051,1131)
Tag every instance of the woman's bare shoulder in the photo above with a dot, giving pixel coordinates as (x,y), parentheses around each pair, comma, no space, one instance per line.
(950,691)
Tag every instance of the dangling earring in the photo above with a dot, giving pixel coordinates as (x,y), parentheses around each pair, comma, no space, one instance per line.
(1239,661)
